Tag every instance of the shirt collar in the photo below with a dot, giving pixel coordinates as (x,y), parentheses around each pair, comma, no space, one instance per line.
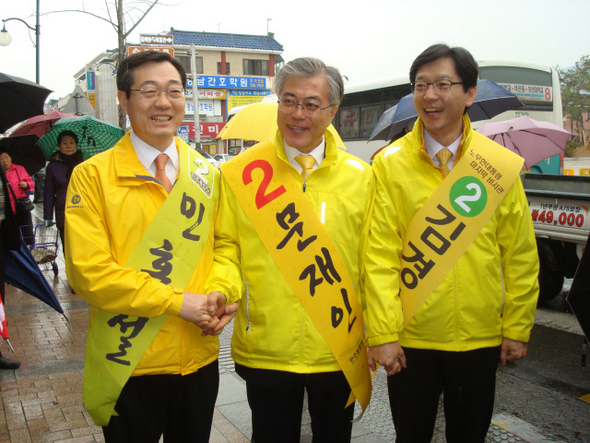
(146,154)
(432,146)
(318,153)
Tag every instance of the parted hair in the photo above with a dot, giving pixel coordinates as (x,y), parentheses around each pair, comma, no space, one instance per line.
(312,67)
(465,64)
(128,64)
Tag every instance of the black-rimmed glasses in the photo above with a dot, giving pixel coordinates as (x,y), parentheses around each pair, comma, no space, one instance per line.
(438,85)
(150,93)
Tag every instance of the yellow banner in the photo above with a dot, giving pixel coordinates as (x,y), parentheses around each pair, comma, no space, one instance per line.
(169,251)
(304,252)
(452,218)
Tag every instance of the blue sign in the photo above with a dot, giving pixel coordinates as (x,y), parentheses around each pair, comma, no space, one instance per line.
(226,82)
(182,132)
(90,81)
(248,93)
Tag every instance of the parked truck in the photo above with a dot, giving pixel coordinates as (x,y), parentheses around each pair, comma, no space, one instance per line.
(559,207)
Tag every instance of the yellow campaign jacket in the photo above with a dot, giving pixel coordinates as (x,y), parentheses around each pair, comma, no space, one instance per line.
(272,330)
(490,293)
(120,199)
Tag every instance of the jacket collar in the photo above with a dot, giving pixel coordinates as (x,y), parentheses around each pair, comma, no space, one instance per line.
(418,135)
(331,149)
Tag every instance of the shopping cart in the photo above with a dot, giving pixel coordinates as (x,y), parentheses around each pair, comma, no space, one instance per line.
(44,246)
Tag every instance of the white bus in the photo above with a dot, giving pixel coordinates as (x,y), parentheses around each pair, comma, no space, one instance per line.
(536,86)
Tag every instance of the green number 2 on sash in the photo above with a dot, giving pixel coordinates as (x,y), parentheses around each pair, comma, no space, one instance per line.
(468,196)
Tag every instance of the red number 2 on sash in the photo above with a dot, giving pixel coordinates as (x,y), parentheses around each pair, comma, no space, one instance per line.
(262,198)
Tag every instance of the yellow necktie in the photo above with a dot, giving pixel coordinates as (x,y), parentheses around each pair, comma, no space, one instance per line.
(306,162)
(161,176)
(444,155)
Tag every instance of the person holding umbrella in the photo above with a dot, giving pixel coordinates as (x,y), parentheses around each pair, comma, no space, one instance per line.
(57,176)
(451,262)
(139,247)
(20,184)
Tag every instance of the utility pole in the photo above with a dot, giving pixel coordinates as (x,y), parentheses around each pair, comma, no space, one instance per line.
(195,96)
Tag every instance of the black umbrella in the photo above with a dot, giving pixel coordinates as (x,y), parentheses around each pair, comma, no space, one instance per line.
(491,100)
(579,295)
(24,151)
(23,273)
(19,100)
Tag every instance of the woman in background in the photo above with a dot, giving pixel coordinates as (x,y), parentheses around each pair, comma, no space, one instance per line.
(57,177)
(21,184)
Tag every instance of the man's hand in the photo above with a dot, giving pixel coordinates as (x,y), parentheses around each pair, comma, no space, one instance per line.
(512,350)
(389,355)
(195,309)
(23,185)
(218,310)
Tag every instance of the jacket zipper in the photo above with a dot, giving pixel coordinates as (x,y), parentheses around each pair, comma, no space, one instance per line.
(247,305)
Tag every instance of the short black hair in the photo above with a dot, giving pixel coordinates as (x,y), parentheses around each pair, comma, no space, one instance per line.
(465,64)
(62,134)
(128,64)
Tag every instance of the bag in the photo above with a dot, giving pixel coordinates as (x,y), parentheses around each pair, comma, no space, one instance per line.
(24,204)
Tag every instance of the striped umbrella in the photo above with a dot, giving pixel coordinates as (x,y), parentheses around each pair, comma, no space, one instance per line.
(94,135)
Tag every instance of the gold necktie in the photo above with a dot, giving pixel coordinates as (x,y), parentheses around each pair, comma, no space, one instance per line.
(306,162)
(444,155)
(161,176)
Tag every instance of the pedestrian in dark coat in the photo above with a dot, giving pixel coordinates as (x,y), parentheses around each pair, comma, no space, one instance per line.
(57,177)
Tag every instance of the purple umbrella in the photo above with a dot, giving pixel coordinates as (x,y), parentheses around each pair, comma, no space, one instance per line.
(531,139)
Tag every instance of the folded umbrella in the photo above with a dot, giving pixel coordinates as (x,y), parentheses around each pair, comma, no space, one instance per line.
(3,328)
(24,151)
(40,124)
(491,100)
(533,140)
(23,273)
(19,100)
(94,135)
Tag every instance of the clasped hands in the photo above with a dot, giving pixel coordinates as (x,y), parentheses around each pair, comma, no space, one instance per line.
(208,312)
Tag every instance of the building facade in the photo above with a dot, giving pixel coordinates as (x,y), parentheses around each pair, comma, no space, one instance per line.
(231,69)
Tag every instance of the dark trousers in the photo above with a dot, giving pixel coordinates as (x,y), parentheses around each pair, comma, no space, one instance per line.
(468,381)
(179,407)
(276,401)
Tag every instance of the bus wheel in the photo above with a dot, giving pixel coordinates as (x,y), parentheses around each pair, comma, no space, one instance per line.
(550,273)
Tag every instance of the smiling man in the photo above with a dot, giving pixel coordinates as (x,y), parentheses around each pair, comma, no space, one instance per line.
(139,246)
(451,263)
(292,215)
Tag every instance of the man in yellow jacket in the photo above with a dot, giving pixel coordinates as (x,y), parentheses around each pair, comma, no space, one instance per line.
(451,263)
(294,231)
(139,247)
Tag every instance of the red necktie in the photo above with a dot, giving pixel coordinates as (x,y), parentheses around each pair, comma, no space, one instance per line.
(161,176)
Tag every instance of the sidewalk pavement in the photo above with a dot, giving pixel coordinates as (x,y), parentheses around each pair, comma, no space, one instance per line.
(42,400)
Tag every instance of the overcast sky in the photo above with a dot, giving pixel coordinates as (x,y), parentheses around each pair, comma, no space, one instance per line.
(365,39)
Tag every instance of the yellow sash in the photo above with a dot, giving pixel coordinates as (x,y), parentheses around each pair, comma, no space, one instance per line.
(303,251)
(169,251)
(451,219)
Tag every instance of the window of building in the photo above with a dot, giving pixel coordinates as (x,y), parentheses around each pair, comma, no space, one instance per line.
(226,68)
(186,62)
(255,67)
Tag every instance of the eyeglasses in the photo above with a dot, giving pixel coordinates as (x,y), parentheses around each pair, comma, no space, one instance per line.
(437,85)
(150,93)
(289,106)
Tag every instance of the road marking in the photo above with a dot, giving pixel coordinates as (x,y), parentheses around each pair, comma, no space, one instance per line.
(521,429)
